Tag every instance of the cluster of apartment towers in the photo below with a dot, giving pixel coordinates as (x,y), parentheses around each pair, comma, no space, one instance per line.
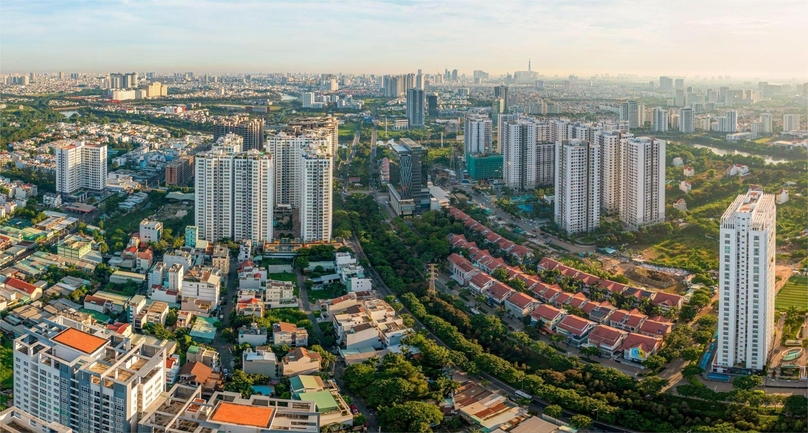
(245,178)
(595,168)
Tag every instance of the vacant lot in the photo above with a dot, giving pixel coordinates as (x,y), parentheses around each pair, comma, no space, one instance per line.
(795,293)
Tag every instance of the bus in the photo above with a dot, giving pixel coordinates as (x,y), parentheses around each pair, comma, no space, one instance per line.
(522,394)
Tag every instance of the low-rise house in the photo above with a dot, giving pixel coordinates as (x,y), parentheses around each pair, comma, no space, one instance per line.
(184,319)
(737,170)
(638,347)
(481,282)
(629,321)
(600,313)
(199,374)
(300,361)
(782,196)
(331,307)
(280,294)
(155,313)
(498,293)
(28,290)
(680,204)
(520,305)
(461,269)
(250,307)
(607,339)
(666,301)
(655,328)
(251,276)
(204,355)
(172,369)
(688,171)
(575,329)
(548,315)
(253,335)
(262,360)
(289,334)
(685,186)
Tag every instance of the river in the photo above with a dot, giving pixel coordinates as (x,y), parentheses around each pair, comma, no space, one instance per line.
(718,151)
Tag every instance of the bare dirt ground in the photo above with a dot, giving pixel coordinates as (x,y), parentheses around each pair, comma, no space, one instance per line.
(784,272)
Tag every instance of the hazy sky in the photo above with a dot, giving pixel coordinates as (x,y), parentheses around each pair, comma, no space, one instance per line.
(740,38)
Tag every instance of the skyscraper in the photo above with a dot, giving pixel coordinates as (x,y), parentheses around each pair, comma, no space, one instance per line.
(746,327)
(577,186)
(477,134)
(545,160)
(679,99)
(316,189)
(286,149)
(80,165)
(686,123)
(502,92)
(665,83)
(630,111)
(85,378)
(660,120)
(432,103)
(642,182)
(415,108)
(407,177)
(253,197)
(679,84)
(732,121)
(519,154)
(251,130)
(791,122)
(766,123)
(610,167)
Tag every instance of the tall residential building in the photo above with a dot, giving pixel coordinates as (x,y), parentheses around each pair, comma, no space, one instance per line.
(519,153)
(660,120)
(502,93)
(766,123)
(477,134)
(732,121)
(80,166)
(251,130)
(545,161)
(316,195)
(642,184)
(83,378)
(432,103)
(234,193)
(791,122)
(686,122)
(630,111)
(287,150)
(326,126)
(577,186)
(415,108)
(665,83)
(679,84)
(610,170)
(746,328)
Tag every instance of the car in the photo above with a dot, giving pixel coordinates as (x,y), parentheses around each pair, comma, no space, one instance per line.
(354,409)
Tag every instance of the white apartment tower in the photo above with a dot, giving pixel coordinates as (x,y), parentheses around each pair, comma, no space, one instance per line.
(577,186)
(316,195)
(253,196)
(791,122)
(81,166)
(610,170)
(287,150)
(83,378)
(631,111)
(477,135)
(545,161)
(732,121)
(642,186)
(766,123)
(686,123)
(660,123)
(213,182)
(746,328)
(519,154)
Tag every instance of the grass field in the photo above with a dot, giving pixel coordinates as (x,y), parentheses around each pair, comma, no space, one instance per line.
(795,293)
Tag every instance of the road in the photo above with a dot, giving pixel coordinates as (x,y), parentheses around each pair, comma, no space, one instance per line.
(536,404)
(231,289)
(305,305)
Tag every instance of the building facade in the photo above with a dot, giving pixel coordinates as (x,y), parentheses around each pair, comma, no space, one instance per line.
(316,195)
(577,186)
(250,130)
(518,145)
(477,135)
(416,102)
(80,166)
(642,186)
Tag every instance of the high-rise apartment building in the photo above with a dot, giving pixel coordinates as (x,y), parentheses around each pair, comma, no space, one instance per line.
(519,153)
(502,92)
(746,328)
(80,165)
(608,143)
(545,161)
(577,186)
(766,123)
(660,120)
(415,108)
(432,103)
(679,84)
(326,126)
(686,122)
(234,193)
(86,379)
(630,111)
(407,177)
(287,150)
(316,195)
(642,182)
(477,136)
(665,83)
(732,121)
(791,122)
(251,130)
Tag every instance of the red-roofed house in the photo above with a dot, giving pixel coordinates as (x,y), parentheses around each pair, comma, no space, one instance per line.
(461,269)
(561,299)
(627,320)
(655,328)
(575,329)
(549,294)
(24,288)
(606,338)
(481,282)
(520,305)
(548,314)
(638,347)
(666,301)
(493,264)
(498,293)
(521,253)
(578,300)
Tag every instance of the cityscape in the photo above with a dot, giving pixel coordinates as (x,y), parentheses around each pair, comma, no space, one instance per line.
(403,217)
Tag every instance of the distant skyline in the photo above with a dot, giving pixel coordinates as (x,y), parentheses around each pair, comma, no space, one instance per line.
(739,38)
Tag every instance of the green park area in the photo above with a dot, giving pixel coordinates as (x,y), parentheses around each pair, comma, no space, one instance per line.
(793,294)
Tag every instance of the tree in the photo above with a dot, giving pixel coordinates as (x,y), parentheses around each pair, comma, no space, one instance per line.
(412,416)
(500,274)
(171,317)
(652,385)
(796,406)
(691,353)
(581,422)
(553,411)
(654,362)
(747,382)
(557,338)
(242,383)
(589,351)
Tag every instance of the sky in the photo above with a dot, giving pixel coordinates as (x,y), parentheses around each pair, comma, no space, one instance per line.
(762,39)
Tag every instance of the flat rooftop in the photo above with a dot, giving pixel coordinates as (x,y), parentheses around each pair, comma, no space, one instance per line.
(79,340)
(240,414)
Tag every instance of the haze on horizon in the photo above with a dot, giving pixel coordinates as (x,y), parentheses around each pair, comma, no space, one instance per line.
(739,38)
